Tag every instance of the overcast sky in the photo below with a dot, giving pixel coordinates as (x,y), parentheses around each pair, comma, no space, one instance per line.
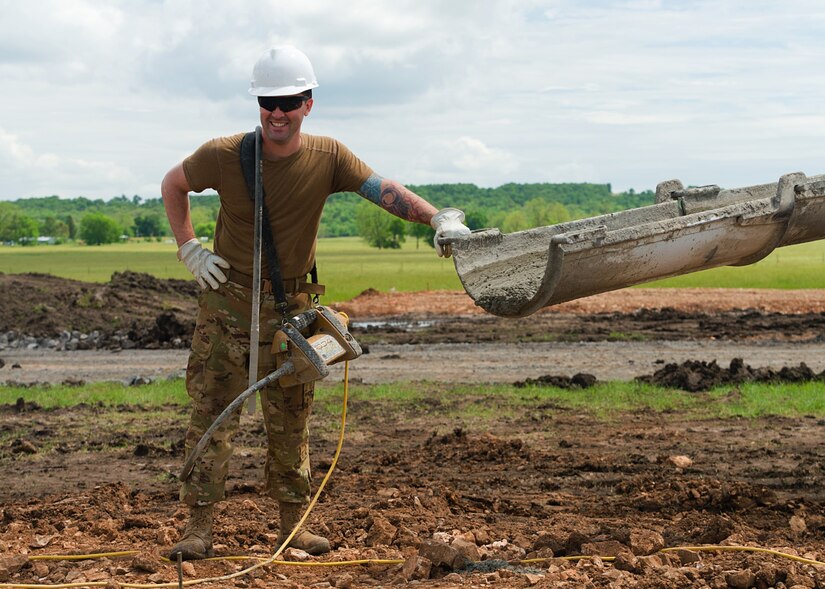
(102,98)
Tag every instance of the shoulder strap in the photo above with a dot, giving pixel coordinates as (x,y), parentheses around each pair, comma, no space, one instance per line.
(248,164)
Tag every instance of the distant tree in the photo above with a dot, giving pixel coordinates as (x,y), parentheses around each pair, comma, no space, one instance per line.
(339,216)
(420,231)
(71,226)
(148,225)
(26,230)
(97,228)
(205,230)
(54,227)
(514,221)
(540,213)
(475,219)
(339,219)
(536,212)
(378,228)
(15,226)
(7,210)
(558,213)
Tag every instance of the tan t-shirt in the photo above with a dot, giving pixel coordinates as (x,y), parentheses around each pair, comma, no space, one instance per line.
(296,189)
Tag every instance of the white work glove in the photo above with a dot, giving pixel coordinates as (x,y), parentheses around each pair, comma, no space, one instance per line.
(448,224)
(203,264)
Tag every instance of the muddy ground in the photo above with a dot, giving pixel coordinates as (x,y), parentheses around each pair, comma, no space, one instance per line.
(416,485)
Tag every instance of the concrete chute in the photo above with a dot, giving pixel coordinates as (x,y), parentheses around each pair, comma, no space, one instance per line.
(516,274)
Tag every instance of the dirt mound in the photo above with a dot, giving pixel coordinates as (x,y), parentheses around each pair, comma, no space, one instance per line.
(140,281)
(131,310)
(579,380)
(698,375)
(168,329)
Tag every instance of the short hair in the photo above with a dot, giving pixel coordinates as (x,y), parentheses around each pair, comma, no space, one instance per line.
(307,93)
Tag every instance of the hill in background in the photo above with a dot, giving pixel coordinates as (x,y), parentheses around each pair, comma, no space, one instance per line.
(509,207)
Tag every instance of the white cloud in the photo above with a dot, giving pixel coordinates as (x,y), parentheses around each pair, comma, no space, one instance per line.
(631,92)
(46,173)
(464,156)
(472,155)
(618,118)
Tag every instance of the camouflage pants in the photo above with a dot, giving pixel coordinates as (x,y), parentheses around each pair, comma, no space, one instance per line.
(218,372)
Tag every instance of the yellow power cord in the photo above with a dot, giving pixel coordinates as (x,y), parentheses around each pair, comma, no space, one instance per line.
(272,559)
(744,549)
(703,548)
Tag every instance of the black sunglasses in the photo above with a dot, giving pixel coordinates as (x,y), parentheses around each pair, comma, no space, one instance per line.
(285,103)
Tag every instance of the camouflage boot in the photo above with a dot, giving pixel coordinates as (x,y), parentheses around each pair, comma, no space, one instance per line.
(303,540)
(197,538)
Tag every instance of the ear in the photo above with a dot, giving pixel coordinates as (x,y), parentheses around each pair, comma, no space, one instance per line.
(308,106)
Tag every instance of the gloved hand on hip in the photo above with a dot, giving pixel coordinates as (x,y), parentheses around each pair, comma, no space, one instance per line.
(203,264)
(448,224)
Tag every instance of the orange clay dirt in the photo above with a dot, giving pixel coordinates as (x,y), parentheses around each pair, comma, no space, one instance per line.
(460,500)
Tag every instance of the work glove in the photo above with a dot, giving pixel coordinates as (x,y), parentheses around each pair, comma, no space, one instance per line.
(448,224)
(203,264)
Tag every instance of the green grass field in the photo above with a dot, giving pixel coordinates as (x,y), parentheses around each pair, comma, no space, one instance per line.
(483,402)
(347,266)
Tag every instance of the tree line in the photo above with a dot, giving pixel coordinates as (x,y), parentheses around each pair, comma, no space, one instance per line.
(510,207)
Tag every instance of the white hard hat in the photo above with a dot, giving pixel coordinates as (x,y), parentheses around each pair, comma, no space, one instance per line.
(282,71)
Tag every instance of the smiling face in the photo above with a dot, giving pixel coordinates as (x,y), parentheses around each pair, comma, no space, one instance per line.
(282,130)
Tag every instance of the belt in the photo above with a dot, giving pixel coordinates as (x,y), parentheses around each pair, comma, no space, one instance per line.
(291,285)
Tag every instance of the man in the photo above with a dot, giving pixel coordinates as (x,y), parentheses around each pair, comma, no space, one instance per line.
(299,172)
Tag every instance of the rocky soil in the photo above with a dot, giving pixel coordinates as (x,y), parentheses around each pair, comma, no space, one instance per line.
(539,496)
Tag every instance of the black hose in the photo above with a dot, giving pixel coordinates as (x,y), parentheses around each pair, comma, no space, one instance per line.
(287,368)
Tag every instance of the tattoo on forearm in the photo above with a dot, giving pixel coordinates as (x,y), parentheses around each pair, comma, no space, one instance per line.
(392,200)
(403,203)
(396,199)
